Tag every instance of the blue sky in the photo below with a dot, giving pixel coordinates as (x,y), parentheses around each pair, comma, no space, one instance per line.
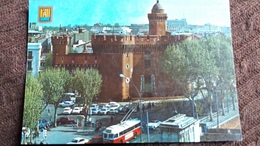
(125,12)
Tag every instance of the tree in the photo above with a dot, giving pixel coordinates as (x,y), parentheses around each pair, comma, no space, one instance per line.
(33,104)
(109,25)
(48,61)
(54,81)
(116,25)
(190,64)
(221,49)
(88,83)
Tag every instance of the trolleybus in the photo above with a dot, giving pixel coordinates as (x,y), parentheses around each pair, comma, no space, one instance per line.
(122,132)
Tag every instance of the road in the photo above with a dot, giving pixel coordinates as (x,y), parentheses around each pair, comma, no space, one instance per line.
(62,134)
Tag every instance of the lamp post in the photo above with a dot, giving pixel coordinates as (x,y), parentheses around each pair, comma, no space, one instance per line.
(128,80)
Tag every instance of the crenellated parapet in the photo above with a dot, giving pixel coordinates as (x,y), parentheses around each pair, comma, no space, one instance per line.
(133,43)
(60,40)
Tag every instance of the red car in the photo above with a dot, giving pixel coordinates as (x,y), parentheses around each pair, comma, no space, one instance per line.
(95,139)
(65,120)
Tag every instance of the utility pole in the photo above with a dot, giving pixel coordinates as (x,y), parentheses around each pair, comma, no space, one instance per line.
(148,133)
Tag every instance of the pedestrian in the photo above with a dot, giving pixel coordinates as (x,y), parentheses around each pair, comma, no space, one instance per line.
(111,119)
(143,107)
(149,105)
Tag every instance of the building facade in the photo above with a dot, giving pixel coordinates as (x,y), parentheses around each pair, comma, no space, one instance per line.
(137,57)
(33,58)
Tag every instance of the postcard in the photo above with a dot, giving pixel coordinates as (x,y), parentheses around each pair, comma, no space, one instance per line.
(109,71)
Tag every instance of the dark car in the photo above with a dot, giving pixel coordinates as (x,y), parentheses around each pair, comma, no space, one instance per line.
(65,120)
(44,123)
(95,139)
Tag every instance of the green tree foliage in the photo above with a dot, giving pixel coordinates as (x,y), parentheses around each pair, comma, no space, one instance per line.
(88,84)
(202,65)
(191,64)
(54,82)
(188,62)
(33,104)
(116,25)
(48,60)
(221,50)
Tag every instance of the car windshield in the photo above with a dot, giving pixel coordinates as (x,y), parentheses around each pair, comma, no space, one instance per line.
(103,109)
(74,140)
(94,109)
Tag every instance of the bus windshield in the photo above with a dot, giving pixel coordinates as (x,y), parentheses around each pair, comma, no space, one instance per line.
(112,135)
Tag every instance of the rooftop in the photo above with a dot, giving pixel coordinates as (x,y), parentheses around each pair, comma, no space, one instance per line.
(179,121)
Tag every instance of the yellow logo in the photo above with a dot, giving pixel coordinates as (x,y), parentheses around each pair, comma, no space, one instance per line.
(45,14)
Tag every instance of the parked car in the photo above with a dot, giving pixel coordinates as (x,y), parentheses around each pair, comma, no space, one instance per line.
(66,104)
(154,124)
(101,106)
(120,108)
(44,123)
(113,111)
(65,120)
(77,110)
(78,140)
(103,111)
(95,111)
(93,106)
(115,106)
(67,110)
(95,139)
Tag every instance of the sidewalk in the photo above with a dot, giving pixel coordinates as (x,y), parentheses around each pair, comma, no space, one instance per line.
(222,119)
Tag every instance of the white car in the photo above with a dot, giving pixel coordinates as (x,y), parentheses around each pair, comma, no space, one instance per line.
(113,111)
(154,124)
(95,111)
(77,110)
(78,141)
(104,111)
(93,106)
(66,104)
(67,110)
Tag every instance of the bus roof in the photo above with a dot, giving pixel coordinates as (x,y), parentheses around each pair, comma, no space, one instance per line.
(122,126)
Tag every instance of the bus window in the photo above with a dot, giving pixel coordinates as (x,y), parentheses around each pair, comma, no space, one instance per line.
(111,136)
(105,135)
(116,135)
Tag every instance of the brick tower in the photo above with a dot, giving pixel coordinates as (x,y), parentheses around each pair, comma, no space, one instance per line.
(60,46)
(157,20)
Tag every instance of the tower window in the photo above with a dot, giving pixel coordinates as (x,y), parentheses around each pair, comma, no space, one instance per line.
(147,63)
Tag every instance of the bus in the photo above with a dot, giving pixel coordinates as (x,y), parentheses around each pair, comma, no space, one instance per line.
(122,132)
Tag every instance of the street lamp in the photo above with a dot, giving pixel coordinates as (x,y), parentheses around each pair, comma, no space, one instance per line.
(128,80)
